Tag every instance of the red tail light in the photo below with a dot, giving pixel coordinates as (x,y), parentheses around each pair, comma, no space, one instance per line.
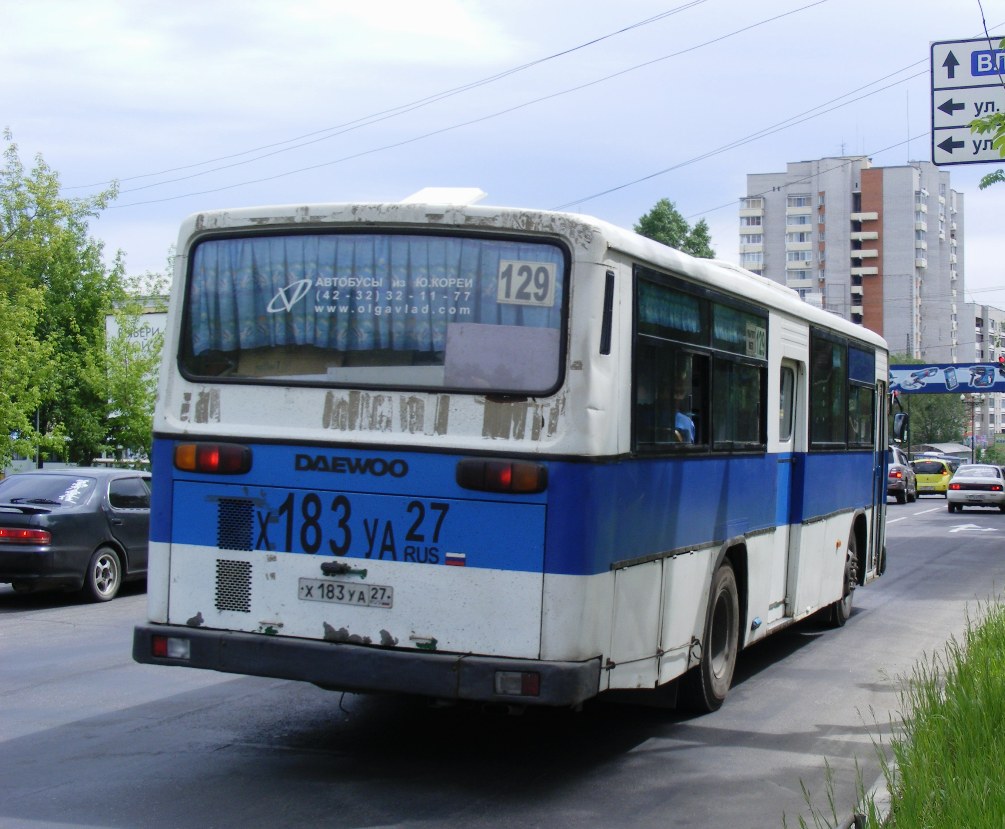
(216,458)
(502,476)
(896,473)
(18,535)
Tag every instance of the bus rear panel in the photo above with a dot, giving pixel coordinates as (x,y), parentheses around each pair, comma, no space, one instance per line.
(424,450)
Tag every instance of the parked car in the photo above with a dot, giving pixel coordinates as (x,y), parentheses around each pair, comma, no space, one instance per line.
(901,482)
(76,529)
(976,485)
(933,475)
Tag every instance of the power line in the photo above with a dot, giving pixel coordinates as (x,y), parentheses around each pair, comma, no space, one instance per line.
(763,133)
(383,115)
(480,119)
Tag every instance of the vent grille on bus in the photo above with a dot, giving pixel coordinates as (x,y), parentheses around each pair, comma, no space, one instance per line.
(233,586)
(234,524)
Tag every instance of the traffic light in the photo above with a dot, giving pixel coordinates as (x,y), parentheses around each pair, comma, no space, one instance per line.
(1001,364)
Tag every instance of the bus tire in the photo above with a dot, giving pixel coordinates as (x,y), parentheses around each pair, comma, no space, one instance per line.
(840,611)
(703,689)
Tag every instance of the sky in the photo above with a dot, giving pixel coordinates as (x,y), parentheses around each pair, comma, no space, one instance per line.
(597,107)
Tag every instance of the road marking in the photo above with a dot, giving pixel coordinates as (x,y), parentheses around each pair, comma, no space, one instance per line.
(966,528)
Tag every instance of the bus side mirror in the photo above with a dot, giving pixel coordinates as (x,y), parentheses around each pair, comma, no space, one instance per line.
(900,423)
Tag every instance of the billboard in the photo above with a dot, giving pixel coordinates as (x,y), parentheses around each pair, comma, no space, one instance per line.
(947,378)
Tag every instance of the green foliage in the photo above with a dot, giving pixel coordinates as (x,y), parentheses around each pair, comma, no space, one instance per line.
(57,375)
(993,124)
(133,356)
(665,224)
(952,749)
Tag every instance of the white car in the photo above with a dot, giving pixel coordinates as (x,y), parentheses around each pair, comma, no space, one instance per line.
(976,485)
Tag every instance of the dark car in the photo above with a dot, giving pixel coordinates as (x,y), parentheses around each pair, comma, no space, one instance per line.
(76,529)
(901,482)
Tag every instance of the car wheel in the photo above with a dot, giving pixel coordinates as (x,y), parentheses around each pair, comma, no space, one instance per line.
(901,497)
(22,587)
(104,575)
(951,507)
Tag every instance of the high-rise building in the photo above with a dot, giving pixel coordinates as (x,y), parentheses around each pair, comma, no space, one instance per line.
(982,340)
(880,246)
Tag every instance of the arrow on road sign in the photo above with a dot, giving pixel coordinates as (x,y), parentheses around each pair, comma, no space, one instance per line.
(949,145)
(950,64)
(950,106)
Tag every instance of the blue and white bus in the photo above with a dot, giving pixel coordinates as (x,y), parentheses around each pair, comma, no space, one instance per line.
(496,454)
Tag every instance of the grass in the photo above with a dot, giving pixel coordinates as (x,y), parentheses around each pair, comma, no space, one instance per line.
(948,763)
(949,759)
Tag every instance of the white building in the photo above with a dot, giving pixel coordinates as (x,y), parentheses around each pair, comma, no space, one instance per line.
(880,246)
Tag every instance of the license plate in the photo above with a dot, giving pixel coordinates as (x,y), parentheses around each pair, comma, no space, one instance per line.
(927,486)
(342,592)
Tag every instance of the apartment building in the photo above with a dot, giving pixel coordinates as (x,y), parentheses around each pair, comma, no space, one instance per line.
(982,340)
(880,246)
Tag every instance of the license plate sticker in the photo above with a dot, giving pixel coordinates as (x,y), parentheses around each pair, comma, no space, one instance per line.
(342,592)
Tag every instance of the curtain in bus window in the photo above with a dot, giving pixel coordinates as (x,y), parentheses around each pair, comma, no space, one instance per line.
(664,312)
(366,291)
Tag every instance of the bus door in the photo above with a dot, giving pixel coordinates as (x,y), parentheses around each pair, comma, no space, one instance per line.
(787,488)
(877,557)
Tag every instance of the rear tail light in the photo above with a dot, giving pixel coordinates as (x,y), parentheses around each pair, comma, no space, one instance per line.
(216,458)
(518,683)
(18,535)
(896,473)
(170,647)
(502,476)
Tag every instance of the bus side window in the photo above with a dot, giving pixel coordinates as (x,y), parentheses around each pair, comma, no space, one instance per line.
(671,388)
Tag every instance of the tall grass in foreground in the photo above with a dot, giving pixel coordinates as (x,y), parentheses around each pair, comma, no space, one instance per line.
(950,757)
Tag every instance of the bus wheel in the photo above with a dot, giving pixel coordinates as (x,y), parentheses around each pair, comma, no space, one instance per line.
(840,611)
(703,688)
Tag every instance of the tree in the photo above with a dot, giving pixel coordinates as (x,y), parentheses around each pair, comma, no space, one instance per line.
(58,374)
(133,356)
(665,224)
(993,124)
(935,418)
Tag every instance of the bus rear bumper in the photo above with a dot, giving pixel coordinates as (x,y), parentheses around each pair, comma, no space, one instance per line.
(359,668)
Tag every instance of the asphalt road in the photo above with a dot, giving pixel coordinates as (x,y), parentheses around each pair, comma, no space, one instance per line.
(90,739)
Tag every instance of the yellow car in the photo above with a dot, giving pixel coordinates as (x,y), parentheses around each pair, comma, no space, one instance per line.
(933,476)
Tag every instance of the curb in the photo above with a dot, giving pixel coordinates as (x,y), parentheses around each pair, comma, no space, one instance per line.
(880,798)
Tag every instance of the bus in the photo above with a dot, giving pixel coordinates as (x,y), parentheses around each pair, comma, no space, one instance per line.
(499,455)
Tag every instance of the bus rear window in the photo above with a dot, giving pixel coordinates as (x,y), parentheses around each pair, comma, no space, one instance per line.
(377,310)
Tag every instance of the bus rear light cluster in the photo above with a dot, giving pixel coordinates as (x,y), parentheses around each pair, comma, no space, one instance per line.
(17,535)
(217,458)
(518,683)
(502,476)
(170,647)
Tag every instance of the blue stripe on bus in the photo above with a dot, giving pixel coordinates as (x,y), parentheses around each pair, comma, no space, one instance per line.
(598,513)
